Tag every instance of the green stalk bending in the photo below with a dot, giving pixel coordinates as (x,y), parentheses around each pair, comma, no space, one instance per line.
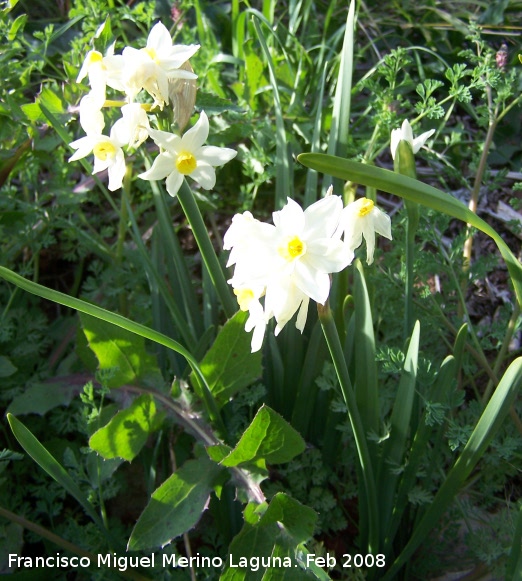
(191,210)
(336,351)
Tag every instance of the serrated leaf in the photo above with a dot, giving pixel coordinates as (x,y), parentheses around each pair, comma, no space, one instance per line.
(176,506)
(119,350)
(229,365)
(41,398)
(270,438)
(276,533)
(126,434)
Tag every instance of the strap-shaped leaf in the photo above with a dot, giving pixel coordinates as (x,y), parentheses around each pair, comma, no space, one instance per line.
(416,191)
(39,453)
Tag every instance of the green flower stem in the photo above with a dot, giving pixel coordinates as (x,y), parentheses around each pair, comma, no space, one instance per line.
(336,351)
(404,164)
(191,210)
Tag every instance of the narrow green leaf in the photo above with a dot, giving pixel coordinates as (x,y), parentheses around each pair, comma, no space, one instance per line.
(126,434)
(229,365)
(366,386)
(394,447)
(284,171)
(514,564)
(269,437)
(47,462)
(487,426)
(176,506)
(338,140)
(119,350)
(410,189)
(438,394)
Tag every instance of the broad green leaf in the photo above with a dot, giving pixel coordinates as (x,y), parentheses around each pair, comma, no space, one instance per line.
(48,462)
(40,398)
(176,506)
(119,350)
(6,367)
(270,438)
(127,432)
(416,191)
(229,365)
(48,100)
(489,423)
(297,519)
(278,532)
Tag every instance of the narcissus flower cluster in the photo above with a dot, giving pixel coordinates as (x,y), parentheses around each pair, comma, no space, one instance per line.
(290,262)
(162,70)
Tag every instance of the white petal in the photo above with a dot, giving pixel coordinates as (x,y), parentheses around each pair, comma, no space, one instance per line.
(327,255)
(169,141)
(174,182)
(419,142)
(311,282)
(302,314)
(205,175)
(407,132)
(159,38)
(163,165)
(381,223)
(394,141)
(196,136)
(322,217)
(117,171)
(290,219)
(216,156)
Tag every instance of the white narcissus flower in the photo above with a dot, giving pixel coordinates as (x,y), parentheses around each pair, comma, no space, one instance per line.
(133,126)
(102,71)
(405,133)
(290,262)
(248,300)
(108,153)
(187,156)
(362,218)
(151,67)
